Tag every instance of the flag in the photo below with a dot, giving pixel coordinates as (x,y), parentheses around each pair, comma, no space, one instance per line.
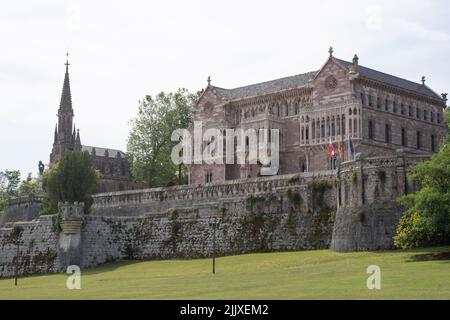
(351,149)
(331,150)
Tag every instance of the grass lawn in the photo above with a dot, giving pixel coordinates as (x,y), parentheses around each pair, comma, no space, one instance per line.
(415,274)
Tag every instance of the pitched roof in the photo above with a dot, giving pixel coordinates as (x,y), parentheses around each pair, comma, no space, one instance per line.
(267,87)
(392,80)
(301,80)
(100,152)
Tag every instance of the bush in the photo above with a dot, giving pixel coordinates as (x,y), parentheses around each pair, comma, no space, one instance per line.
(427,218)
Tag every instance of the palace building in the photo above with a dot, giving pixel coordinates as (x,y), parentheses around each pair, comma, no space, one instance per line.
(379,113)
(112,164)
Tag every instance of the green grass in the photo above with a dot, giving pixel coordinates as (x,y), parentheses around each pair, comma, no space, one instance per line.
(415,274)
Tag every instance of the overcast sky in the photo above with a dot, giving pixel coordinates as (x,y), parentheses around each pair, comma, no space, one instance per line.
(122,50)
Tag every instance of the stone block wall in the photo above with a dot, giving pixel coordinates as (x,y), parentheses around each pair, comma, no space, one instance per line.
(293,212)
(37,242)
(368,214)
(353,209)
(22,209)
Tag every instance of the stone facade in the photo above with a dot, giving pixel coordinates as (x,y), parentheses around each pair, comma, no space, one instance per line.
(343,100)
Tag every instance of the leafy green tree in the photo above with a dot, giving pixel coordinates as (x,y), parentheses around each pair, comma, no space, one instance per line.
(149,143)
(9,186)
(427,219)
(73,178)
(29,186)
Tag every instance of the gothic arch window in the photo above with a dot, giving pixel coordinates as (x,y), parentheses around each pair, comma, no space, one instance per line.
(314,129)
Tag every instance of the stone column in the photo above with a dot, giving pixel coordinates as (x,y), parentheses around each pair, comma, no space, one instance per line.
(70,238)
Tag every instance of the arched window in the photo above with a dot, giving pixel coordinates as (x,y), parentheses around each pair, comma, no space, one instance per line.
(403,137)
(343,125)
(387,133)
(313,126)
(371,129)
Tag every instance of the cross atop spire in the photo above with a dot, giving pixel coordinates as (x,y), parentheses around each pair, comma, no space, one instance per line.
(67,59)
(66,98)
(209,80)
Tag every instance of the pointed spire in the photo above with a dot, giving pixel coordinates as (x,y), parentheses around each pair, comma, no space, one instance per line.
(66,98)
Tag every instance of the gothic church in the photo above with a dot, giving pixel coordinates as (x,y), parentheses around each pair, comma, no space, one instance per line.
(112,164)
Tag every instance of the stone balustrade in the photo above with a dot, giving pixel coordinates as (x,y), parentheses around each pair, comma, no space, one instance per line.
(227,189)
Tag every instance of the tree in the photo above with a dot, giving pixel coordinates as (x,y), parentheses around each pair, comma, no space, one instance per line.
(72,179)
(149,143)
(29,186)
(427,219)
(9,186)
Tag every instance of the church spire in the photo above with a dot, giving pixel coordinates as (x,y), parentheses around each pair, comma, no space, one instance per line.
(66,98)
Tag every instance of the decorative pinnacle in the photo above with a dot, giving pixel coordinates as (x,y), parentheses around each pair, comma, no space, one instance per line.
(330,51)
(423,80)
(355,59)
(209,80)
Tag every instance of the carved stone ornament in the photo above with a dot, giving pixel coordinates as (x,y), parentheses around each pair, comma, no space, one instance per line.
(331,82)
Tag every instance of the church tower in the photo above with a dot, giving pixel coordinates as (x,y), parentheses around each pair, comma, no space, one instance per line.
(66,137)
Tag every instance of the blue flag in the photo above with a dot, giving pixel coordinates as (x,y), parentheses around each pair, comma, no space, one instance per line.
(351,149)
